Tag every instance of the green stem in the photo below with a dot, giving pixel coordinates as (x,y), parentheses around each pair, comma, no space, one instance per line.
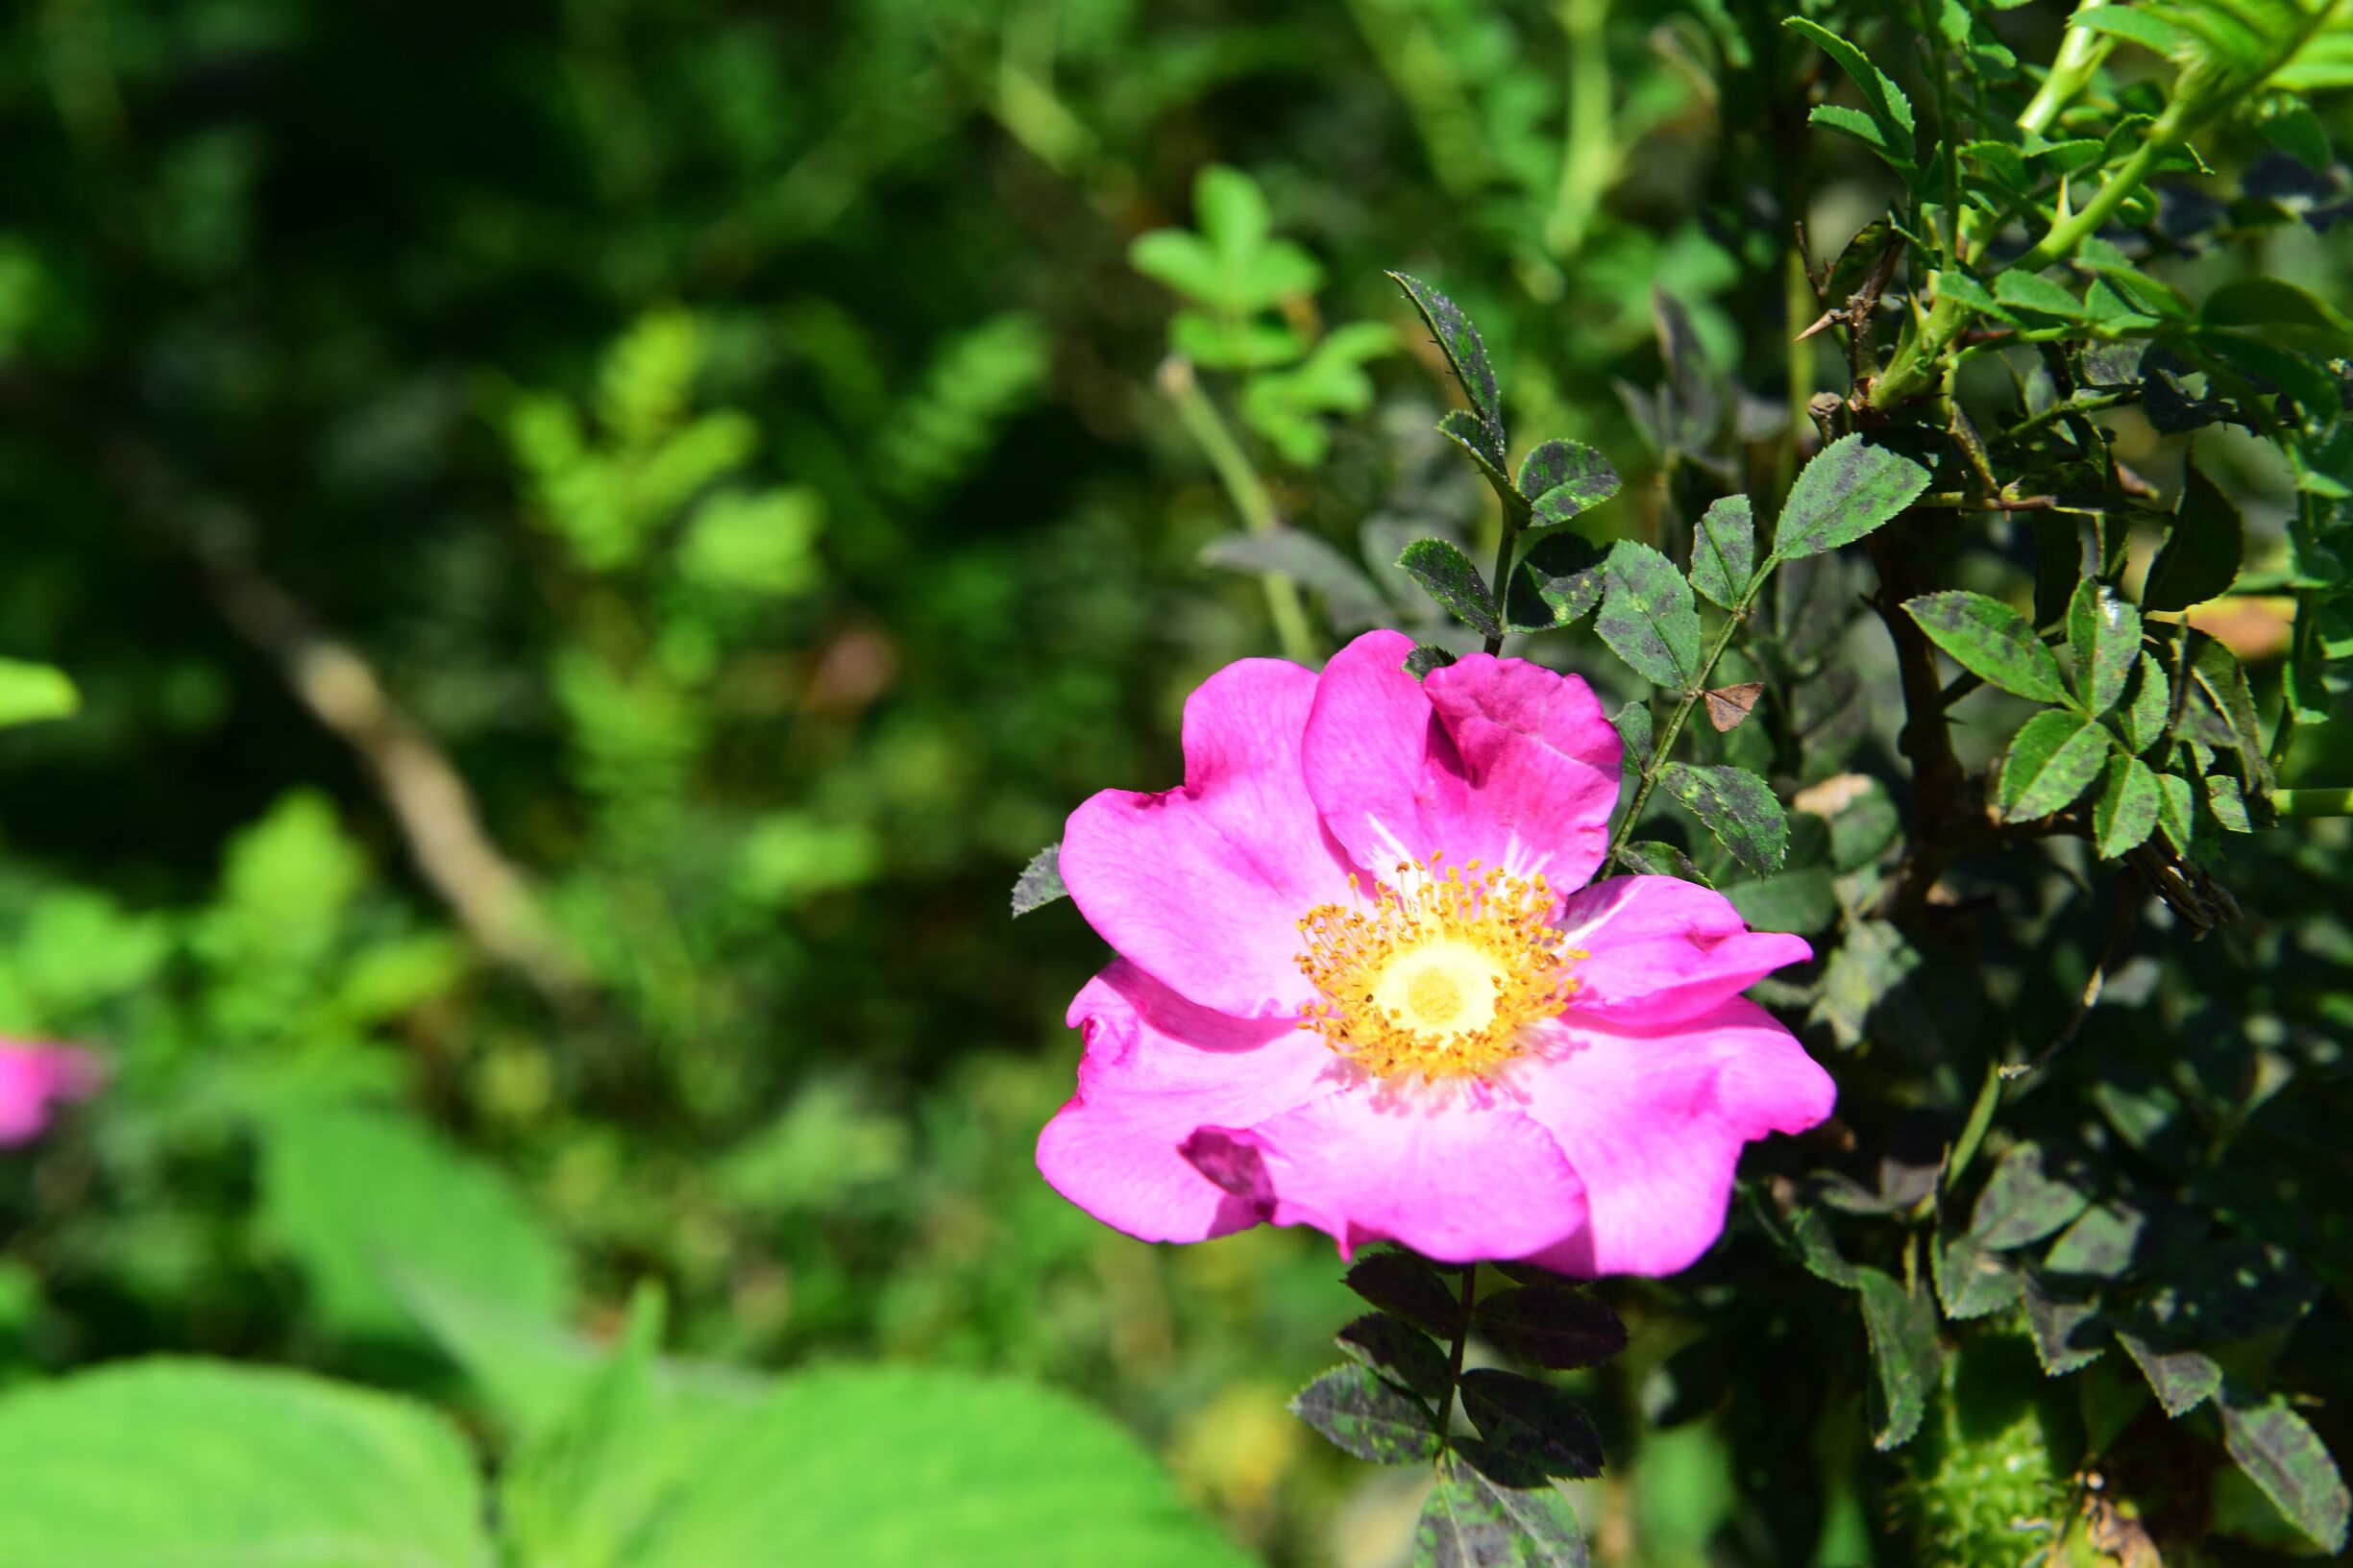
(1916,365)
(2061,242)
(1674,726)
(2080,52)
(1972,1132)
(2322,802)
(1248,493)
(1590,152)
(1462,1340)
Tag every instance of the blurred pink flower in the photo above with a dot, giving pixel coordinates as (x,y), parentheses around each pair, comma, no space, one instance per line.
(1363,984)
(33,1079)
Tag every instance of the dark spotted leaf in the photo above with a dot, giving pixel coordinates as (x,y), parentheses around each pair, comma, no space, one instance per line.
(1363,1415)
(2229,1290)
(2104,633)
(1723,551)
(1399,1351)
(1633,723)
(1990,639)
(2050,762)
(2182,1380)
(2099,1244)
(2201,554)
(1461,427)
(1405,1286)
(1473,1521)
(1556,581)
(1647,617)
(1040,882)
(2285,1458)
(1652,857)
(2068,1334)
(1849,489)
(2028,1197)
(1467,354)
(1971,1280)
(1555,1326)
(1448,575)
(1533,1429)
(1902,1330)
(2142,721)
(1736,806)
(1426,657)
(1561,479)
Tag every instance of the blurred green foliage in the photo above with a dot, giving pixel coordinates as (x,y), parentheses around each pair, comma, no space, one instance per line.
(593,539)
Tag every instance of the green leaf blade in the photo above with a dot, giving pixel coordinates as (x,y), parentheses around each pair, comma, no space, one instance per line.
(1723,551)
(1990,639)
(1851,488)
(2051,760)
(1648,617)
(1735,805)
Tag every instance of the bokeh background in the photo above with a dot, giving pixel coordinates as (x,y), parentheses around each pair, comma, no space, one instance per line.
(598,537)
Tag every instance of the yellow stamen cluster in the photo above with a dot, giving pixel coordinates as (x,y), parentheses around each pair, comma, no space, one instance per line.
(1439,976)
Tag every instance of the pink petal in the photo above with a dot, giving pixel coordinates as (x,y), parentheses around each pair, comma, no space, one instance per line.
(32,1078)
(1202,886)
(1654,1122)
(1457,1172)
(1663,949)
(1489,759)
(1157,1069)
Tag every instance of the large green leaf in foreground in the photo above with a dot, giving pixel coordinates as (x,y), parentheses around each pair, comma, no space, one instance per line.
(189,1464)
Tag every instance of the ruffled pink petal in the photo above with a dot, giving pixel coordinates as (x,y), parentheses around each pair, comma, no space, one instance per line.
(1202,886)
(1157,1069)
(33,1080)
(1487,759)
(1654,1122)
(1662,949)
(1457,1172)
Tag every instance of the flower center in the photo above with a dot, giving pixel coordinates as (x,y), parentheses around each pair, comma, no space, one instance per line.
(1436,978)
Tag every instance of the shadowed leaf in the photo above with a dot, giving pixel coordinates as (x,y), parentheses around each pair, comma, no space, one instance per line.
(1555,1326)
(1532,1426)
(1410,1289)
(1363,1415)
(1394,1347)
(1472,1521)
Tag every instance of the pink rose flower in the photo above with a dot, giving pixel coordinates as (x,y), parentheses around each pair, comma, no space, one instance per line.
(1363,984)
(33,1079)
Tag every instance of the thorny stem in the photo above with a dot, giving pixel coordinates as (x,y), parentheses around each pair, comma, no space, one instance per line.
(1462,1340)
(2080,52)
(1248,493)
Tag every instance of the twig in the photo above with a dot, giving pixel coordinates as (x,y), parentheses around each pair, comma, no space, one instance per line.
(2127,907)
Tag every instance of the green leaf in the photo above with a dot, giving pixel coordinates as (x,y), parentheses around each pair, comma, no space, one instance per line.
(2217,672)
(1536,1429)
(1973,1279)
(2291,124)
(2176,810)
(1851,488)
(2285,1458)
(2201,554)
(2126,814)
(1886,102)
(1990,640)
(2104,635)
(1551,1325)
(2182,1380)
(1562,478)
(1352,599)
(1655,857)
(1723,551)
(1794,901)
(1473,1521)
(901,1466)
(1903,1331)
(1449,576)
(32,691)
(1647,616)
(1461,427)
(2142,721)
(1041,881)
(2311,385)
(2143,27)
(2065,1332)
(1364,1416)
(1736,806)
(2050,762)
(2258,301)
(359,1198)
(1465,351)
(2024,1201)
(174,1463)
(1401,1284)
(1555,584)
(1633,723)
(586,1485)
(1399,1351)
(2026,291)
(1880,138)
